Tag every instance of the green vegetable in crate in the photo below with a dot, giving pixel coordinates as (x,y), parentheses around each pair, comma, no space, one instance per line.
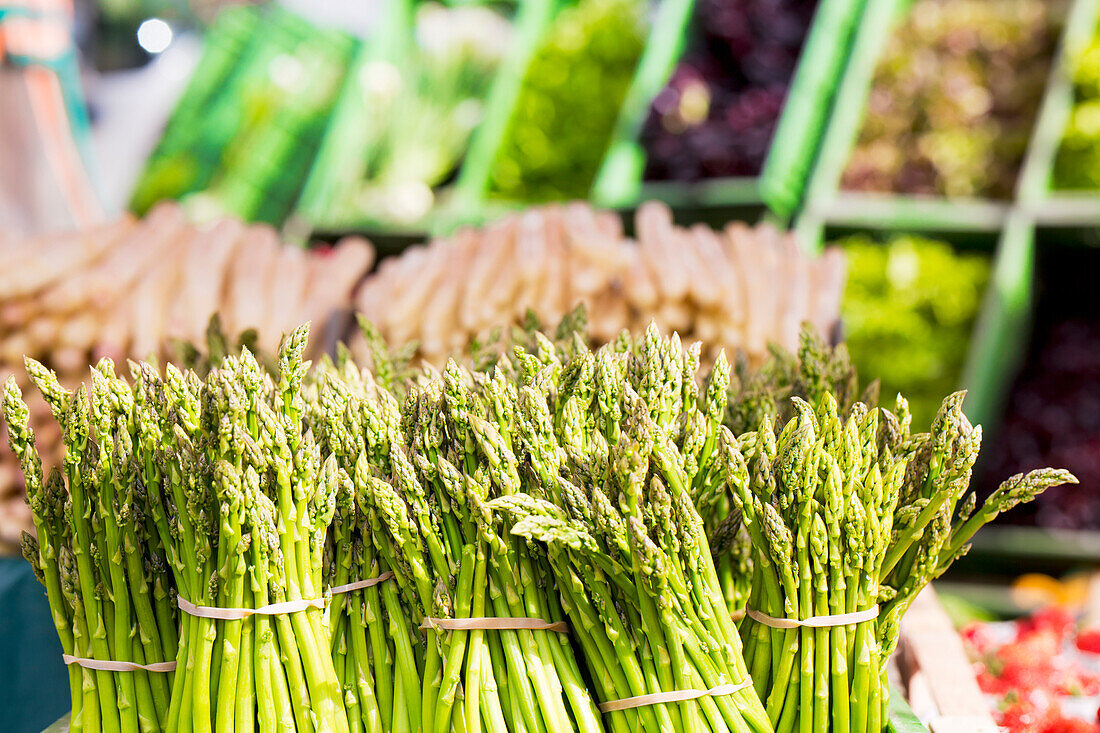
(401,127)
(954,98)
(849,519)
(1078,162)
(243,135)
(285,112)
(909,309)
(180,163)
(569,102)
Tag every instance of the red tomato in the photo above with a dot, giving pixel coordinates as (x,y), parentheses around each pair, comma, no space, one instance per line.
(1089,641)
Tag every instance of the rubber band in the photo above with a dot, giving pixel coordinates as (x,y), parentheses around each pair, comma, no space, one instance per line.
(494,623)
(234,614)
(108,666)
(815,622)
(738,614)
(656,698)
(360,584)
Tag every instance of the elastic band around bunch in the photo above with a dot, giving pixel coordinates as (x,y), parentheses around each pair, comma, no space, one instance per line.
(814,622)
(657,698)
(494,623)
(360,584)
(234,614)
(109,666)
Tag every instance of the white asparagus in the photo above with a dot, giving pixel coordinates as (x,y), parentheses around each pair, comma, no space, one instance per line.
(152,298)
(127,260)
(286,295)
(43,260)
(249,274)
(333,280)
(203,280)
(655,235)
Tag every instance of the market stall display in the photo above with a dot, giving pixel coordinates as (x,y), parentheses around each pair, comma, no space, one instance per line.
(711,499)
(138,288)
(955,97)
(909,310)
(738,289)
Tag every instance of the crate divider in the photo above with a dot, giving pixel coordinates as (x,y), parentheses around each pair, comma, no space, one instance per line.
(999,341)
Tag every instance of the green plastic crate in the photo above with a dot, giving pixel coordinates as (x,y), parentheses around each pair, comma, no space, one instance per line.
(999,343)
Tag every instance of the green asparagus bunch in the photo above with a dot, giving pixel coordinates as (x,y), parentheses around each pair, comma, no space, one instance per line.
(96,551)
(816,368)
(613,447)
(420,474)
(377,651)
(848,516)
(245,503)
(206,490)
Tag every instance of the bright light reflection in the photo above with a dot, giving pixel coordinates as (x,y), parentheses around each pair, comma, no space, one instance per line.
(154,35)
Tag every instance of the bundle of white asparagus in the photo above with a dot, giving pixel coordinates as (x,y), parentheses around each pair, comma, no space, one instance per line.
(738,289)
(136,288)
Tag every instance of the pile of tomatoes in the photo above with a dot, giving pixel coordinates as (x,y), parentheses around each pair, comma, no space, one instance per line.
(1040,673)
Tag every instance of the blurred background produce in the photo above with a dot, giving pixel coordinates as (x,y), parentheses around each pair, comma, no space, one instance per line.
(1053,410)
(569,101)
(954,98)
(909,309)
(403,121)
(1078,162)
(1039,671)
(717,115)
(244,133)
